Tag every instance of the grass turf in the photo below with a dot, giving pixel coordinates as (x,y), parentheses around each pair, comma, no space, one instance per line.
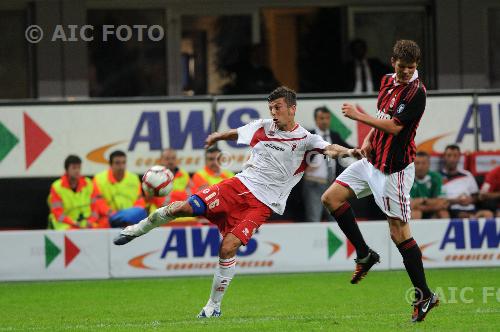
(280,302)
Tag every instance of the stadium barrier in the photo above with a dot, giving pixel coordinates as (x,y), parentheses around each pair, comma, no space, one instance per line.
(275,248)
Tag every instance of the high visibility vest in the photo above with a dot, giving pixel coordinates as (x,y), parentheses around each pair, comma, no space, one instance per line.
(180,186)
(122,194)
(68,206)
(206,177)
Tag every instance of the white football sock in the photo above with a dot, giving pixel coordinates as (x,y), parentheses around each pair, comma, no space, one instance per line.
(222,277)
(159,217)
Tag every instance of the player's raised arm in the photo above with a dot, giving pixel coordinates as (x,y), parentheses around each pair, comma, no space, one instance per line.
(389,126)
(230,135)
(243,134)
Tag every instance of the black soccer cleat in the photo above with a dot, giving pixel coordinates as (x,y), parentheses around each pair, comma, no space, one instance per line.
(422,308)
(123,239)
(363,265)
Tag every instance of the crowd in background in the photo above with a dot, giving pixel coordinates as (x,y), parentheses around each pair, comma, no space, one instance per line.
(114,198)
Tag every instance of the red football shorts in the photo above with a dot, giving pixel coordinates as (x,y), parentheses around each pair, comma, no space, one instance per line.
(234,209)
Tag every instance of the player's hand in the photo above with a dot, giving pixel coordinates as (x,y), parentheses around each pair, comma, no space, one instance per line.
(334,151)
(211,139)
(350,111)
(366,149)
(356,153)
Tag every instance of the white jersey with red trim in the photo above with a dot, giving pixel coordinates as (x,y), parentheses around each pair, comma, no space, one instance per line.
(277,161)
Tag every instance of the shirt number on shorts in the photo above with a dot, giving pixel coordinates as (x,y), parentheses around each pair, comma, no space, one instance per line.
(213,204)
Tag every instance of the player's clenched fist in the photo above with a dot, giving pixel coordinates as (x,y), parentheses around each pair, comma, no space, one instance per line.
(212,139)
(350,111)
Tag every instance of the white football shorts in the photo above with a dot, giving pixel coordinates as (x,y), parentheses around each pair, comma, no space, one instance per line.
(391,191)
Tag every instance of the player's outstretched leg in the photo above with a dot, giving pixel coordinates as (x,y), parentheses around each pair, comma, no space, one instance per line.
(425,300)
(222,276)
(335,200)
(159,217)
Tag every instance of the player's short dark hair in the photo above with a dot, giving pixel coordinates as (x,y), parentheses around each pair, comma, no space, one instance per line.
(423,154)
(283,92)
(321,109)
(406,51)
(115,154)
(71,160)
(452,147)
(212,150)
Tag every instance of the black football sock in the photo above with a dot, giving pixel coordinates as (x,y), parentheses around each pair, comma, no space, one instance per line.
(412,259)
(345,219)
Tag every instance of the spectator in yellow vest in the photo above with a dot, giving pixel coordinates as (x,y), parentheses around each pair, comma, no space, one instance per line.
(212,173)
(73,200)
(120,188)
(180,190)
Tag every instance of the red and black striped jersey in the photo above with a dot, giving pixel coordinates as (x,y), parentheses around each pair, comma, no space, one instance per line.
(405,103)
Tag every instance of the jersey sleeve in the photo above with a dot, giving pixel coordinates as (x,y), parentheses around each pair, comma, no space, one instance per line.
(246,132)
(316,142)
(408,113)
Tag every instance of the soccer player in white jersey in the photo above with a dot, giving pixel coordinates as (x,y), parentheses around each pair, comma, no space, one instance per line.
(239,205)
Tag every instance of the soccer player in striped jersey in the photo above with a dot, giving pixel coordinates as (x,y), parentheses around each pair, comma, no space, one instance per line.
(388,171)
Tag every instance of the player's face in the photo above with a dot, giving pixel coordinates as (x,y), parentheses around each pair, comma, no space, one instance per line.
(119,165)
(169,159)
(451,158)
(323,120)
(212,161)
(74,171)
(404,70)
(283,115)
(422,165)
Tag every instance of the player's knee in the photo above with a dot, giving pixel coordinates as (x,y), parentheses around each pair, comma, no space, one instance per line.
(399,231)
(229,247)
(331,201)
(335,196)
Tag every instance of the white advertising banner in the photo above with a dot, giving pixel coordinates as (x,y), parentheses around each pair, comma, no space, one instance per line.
(274,248)
(447,120)
(36,138)
(49,255)
(41,137)
(455,243)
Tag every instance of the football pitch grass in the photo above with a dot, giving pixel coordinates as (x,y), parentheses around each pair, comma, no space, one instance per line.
(278,302)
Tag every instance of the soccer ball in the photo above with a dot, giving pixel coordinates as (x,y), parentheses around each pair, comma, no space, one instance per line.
(157,181)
